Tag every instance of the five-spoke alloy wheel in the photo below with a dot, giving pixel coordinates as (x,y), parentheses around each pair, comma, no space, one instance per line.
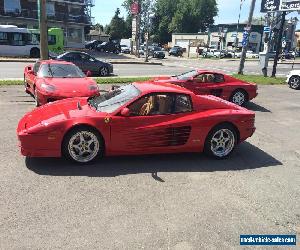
(82,145)
(294,82)
(239,97)
(104,71)
(221,141)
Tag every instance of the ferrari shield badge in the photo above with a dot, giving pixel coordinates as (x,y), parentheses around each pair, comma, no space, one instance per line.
(107,119)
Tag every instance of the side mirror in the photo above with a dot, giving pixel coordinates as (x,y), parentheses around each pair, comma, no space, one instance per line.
(88,73)
(125,112)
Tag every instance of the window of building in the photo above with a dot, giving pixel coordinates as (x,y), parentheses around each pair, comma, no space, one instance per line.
(75,35)
(12,6)
(50,9)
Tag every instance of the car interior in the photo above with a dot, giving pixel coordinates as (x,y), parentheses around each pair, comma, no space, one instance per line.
(160,104)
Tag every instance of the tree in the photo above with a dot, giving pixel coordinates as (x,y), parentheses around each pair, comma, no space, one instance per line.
(98,26)
(117,27)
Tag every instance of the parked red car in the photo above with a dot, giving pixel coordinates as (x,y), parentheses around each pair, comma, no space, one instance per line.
(204,82)
(139,118)
(52,80)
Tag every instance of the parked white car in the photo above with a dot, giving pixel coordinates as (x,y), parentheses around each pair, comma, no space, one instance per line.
(251,54)
(293,79)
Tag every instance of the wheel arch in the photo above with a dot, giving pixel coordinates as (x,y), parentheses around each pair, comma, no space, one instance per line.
(78,126)
(237,131)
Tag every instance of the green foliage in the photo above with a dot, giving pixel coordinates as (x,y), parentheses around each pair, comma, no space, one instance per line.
(260,80)
(117,27)
(182,16)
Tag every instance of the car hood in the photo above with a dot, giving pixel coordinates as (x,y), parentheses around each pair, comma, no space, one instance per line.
(56,113)
(70,85)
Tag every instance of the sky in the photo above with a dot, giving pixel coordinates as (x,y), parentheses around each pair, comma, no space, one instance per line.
(228,10)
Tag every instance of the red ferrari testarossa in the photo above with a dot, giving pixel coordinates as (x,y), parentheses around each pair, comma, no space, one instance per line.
(52,80)
(139,118)
(205,82)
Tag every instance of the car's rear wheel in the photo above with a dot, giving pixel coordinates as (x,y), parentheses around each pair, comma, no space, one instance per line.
(239,97)
(294,82)
(83,145)
(103,71)
(221,141)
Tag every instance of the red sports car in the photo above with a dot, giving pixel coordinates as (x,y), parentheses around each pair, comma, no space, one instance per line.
(52,80)
(139,118)
(204,82)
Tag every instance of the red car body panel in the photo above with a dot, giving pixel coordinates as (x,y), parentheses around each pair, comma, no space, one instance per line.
(223,90)
(41,132)
(64,87)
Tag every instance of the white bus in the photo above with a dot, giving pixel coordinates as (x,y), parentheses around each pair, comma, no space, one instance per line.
(16,41)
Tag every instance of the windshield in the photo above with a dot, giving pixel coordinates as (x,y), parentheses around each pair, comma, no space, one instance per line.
(187,75)
(60,71)
(111,101)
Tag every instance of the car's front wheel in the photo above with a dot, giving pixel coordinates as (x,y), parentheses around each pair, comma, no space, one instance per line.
(104,71)
(294,82)
(36,98)
(83,145)
(221,141)
(239,97)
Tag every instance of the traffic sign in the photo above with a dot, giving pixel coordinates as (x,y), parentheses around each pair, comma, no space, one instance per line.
(267,29)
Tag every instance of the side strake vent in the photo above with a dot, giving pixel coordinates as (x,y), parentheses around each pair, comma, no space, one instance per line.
(177,136)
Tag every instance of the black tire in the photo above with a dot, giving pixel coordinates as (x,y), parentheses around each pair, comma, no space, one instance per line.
(103,71)
(239,97)
(25,85)
(34,53)
(69,146)
(294,82)
(209,146)
(37,103)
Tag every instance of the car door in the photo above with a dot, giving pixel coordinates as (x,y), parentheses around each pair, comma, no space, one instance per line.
(208,84)
(151,127)
(88,64)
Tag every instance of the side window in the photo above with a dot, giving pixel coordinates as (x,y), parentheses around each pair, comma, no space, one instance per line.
(156,104)
(201,78)
(219,78)
(3,38)
(183,104)
(18,39)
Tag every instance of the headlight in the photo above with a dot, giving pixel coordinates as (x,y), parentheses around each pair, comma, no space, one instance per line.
(48,88)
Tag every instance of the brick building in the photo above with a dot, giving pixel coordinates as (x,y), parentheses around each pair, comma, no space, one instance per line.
(73,16)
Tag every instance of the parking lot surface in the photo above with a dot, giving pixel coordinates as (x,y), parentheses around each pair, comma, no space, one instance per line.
(185,201)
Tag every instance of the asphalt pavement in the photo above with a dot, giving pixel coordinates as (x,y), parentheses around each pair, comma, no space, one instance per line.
(171,66)
(183,201)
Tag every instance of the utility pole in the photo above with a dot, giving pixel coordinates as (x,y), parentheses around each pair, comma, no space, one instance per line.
(245,48)
(43,30)
(279,43)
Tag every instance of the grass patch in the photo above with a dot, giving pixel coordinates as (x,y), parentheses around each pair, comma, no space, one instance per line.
(122,80)
(99,80)
(11,82)
(260,80)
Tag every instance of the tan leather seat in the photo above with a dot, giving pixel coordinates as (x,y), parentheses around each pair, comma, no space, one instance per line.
(164,103)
